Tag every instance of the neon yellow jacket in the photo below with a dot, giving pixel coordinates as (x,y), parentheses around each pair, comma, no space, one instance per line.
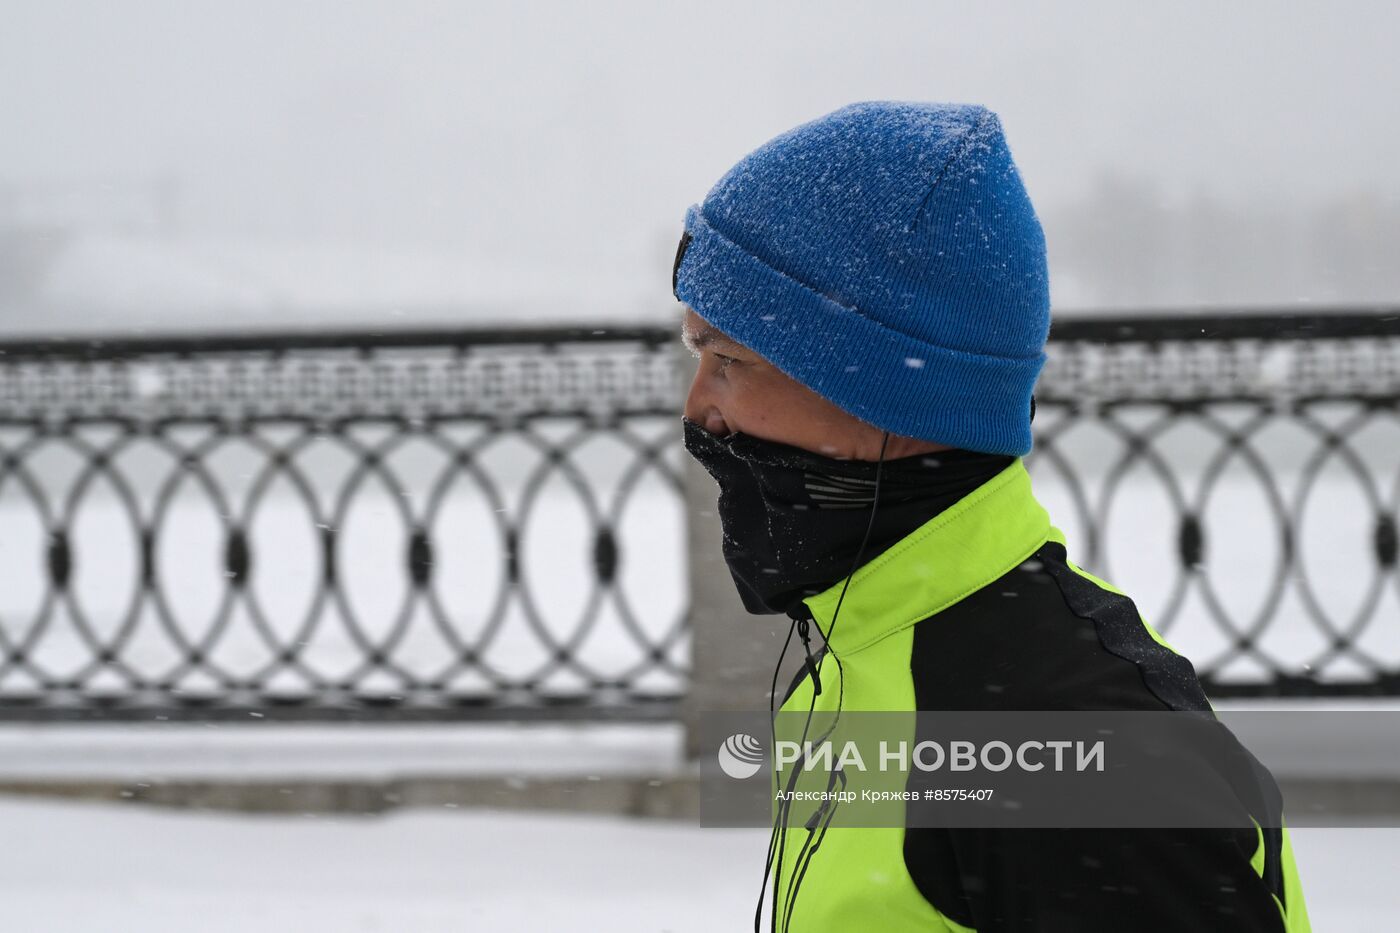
(981,608)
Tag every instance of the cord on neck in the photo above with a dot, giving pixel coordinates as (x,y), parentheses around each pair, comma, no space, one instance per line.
(801,616)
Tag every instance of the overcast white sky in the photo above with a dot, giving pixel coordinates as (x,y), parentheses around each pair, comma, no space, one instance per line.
(572,136)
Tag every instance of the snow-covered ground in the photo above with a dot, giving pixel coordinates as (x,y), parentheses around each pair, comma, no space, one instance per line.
(152,752)
(1336,746)
(88,867)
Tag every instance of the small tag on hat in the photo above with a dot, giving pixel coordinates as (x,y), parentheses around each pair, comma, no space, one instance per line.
(680,254)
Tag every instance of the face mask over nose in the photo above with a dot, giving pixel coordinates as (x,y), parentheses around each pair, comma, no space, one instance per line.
(794,520)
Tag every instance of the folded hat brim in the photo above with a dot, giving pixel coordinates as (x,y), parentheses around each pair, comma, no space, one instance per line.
(887,378)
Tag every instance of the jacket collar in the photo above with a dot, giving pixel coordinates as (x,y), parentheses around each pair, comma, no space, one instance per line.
(957,552)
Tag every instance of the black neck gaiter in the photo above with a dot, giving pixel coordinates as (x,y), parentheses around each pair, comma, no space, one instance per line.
(794,520)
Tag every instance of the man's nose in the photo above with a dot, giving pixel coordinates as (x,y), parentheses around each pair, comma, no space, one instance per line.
(701,406)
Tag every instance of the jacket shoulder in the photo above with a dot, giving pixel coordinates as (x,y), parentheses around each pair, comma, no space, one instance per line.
(1046,636)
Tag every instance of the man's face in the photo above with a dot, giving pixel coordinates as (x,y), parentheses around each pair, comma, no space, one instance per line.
(735,389)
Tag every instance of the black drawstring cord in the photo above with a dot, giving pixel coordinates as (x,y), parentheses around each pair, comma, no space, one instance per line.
(785,804)
(773,744)
(807,649)
(801,616)
(821,817)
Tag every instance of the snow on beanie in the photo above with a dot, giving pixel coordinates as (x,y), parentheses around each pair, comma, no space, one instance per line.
(886,256)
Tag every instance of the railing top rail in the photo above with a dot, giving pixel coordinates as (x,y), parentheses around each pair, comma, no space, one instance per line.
(1220,324)
(107,346)
(1149,327)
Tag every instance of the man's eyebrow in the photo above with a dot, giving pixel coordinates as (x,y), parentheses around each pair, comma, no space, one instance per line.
(696,340)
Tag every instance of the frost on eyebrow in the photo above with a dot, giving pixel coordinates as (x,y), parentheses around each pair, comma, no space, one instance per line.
(697,338)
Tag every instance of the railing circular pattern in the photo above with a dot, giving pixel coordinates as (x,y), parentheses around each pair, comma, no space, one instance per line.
(436,498)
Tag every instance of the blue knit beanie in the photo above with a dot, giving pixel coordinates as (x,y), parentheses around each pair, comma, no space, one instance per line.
(888,257)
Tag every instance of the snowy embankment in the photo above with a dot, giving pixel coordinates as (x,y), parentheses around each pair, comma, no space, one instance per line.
(353,751)
(84,866)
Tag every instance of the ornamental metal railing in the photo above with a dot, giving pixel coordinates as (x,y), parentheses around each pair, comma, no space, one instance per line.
(425,525)
(1239,476)
(405,526)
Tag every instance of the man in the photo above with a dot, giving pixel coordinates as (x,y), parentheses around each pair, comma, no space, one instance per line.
(868,298)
